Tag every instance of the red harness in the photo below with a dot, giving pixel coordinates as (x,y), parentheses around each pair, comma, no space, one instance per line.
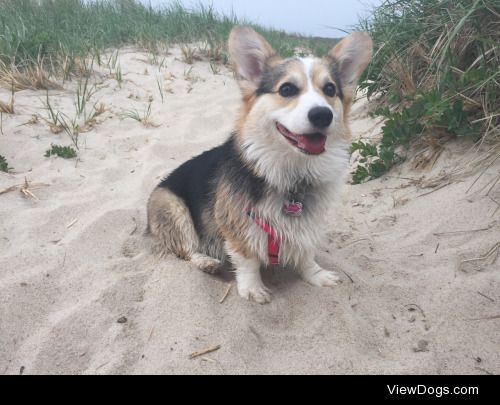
(273,239)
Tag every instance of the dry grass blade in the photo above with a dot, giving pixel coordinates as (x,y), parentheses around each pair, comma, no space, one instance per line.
(72,223)
(30,78)
(25,188)
(466,231)
(8,108)
(489,258)
(202,352)
(25,191)
(226,293)
(8,189)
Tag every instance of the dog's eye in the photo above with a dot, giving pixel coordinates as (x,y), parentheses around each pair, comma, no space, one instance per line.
(330,90)
(288,90)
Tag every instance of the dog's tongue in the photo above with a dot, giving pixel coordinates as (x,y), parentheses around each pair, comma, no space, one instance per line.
(313,144)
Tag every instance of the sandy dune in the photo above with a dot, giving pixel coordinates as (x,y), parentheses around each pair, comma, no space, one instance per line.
(74,262)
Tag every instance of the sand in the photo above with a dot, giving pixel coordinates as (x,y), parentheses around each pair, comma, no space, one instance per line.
(74,262)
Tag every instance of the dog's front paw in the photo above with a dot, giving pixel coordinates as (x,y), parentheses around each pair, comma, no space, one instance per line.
(321,277)
(206,263)
(257,292)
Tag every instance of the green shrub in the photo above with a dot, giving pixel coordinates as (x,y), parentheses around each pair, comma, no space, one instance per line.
(66,152)
(435,71)
(4,166)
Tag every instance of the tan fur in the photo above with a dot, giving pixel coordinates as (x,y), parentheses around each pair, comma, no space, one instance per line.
(231,218)
(357,46)
(173,231)
(247,103)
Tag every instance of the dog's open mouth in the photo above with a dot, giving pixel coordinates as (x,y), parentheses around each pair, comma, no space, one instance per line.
(312,144)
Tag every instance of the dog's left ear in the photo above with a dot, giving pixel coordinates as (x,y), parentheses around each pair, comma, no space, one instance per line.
(250,53)
(350,58)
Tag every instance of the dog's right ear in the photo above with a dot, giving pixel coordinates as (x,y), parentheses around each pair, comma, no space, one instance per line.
(250,53)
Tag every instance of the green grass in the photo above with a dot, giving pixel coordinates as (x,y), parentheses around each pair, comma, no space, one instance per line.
(58,34)
(144,118)
(4,166)
(435,74)
(65,152)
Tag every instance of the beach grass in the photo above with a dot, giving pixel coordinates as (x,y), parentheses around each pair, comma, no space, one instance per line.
(435,76)
(46,38)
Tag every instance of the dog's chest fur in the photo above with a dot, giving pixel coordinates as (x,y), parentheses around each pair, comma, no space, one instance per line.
(297,234)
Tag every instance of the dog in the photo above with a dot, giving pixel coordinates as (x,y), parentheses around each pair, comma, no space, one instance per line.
(261,198)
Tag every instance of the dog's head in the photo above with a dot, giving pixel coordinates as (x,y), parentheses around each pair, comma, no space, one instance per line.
(294,115)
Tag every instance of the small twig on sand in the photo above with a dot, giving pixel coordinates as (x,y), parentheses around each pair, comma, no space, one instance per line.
(480,175)
(485,296)
(26,192)
(64,260)
(486,318)
(101,366)
(226,293)
(356,241)
(348,276)
(202,352)
(151,333)
(436,189)
(72,223)
(8,189)
(497,203)
(493,252)
(484,370)
(135,227)
(468,231)
(23,188)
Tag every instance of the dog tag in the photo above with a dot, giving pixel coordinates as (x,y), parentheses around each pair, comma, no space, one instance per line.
(293,208)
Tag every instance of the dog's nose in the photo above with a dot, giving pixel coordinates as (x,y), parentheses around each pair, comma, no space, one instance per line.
(320,117)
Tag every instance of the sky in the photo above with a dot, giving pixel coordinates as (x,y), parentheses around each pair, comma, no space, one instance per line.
(307,17)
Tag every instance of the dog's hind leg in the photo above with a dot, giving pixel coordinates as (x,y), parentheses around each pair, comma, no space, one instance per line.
(171,225)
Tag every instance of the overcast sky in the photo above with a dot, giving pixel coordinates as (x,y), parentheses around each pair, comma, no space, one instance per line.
(309,17)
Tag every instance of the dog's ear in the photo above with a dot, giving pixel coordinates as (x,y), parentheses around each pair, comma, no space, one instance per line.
(250,53)
(350,57)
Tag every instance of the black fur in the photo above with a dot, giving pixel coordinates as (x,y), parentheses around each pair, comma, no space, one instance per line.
(334,71)
(270,78)
(273,74)
(195,181)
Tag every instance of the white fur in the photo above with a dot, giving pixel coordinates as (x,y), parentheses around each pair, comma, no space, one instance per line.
(311,272)
(297,120)
(248,279)
(281,163)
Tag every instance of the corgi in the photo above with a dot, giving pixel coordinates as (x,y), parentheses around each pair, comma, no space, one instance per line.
(261,198)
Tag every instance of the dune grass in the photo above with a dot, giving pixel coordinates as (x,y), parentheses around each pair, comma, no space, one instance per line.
(45,38)
(436,76)
(44,43)
(435,72)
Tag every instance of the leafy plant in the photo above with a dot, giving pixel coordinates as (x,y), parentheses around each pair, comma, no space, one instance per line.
(435,72)
(423,113)
(4,166)
(65,152)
